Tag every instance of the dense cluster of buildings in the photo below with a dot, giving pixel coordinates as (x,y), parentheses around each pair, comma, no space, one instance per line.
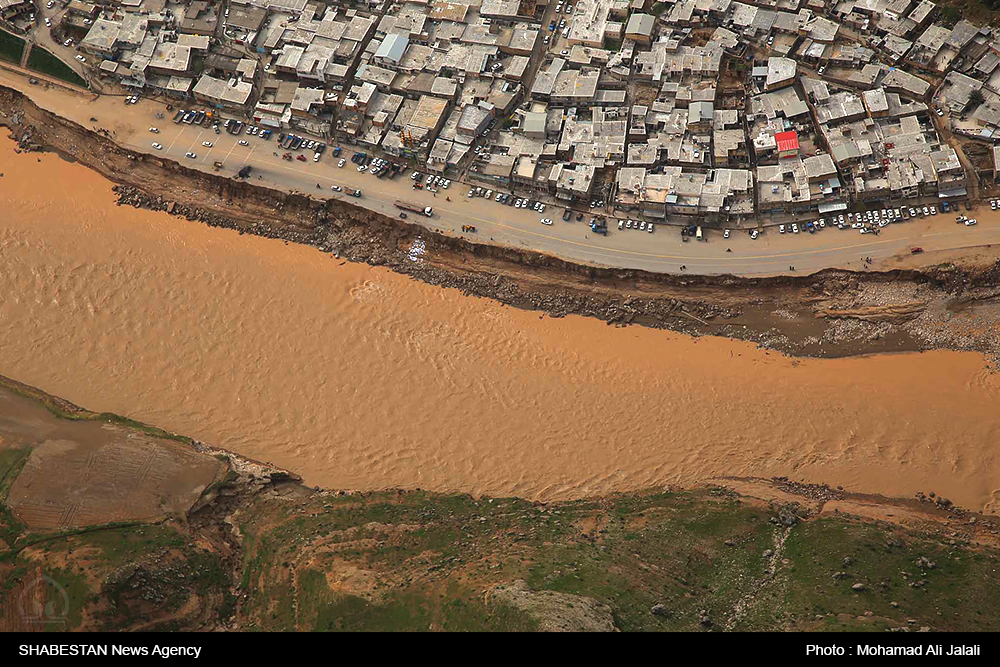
(714,108)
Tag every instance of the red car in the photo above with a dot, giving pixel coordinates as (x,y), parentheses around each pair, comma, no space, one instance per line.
(301,157)
(916,250)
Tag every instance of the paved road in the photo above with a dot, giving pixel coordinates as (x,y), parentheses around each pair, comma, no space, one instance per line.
(660,251)
(42,36)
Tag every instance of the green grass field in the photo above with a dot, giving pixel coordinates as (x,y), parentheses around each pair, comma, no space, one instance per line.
(42,61)
(11,47)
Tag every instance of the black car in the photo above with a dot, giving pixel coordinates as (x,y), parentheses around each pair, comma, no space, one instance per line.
(321,148)
(567,214)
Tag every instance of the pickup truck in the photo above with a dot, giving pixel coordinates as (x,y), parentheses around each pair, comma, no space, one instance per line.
(422,210)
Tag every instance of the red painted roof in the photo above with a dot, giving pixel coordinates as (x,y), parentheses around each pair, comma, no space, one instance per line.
(787,141)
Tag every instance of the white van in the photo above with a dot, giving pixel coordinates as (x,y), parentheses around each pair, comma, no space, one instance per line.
(698,235)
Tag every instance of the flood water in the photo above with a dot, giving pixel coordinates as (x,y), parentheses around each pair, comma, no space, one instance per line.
(358,378)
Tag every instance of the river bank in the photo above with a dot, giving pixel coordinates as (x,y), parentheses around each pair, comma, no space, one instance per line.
(367,379)
(831,313)
(238,545)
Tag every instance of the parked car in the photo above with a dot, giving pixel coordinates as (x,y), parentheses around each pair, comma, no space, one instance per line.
(342,162)
(206,144)
(157,146)
(191,155)
(243,142)
(81,59)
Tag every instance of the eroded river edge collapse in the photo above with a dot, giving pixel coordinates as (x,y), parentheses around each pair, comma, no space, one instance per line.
(829,313)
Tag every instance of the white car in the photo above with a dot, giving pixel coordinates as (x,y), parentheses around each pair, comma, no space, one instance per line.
(154,130)
(795,228)
(725,234)
(157,146)
(68,42)
(191,155)
(754,234)
(970,222)
(621,224)
(650,228)
(48,23)
(342,162)
(243,142)
(362,168)
(206,144)
(335,188)
(546,221)
(81,59)
(50,4)
(781,229)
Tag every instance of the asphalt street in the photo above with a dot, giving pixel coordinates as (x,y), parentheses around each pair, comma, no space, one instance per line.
(662,250)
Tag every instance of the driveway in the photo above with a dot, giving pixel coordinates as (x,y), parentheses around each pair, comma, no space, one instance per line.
(42,36)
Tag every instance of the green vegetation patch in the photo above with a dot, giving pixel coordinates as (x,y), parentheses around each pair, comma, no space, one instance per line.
(11,47)
(43,61)
(902,576)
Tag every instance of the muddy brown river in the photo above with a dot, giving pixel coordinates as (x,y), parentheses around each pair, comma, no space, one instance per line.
(358,378)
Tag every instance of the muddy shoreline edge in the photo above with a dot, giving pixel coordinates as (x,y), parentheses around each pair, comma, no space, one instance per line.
(261,475)
(723,305)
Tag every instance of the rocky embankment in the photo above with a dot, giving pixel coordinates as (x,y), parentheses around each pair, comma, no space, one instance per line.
(829,313)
